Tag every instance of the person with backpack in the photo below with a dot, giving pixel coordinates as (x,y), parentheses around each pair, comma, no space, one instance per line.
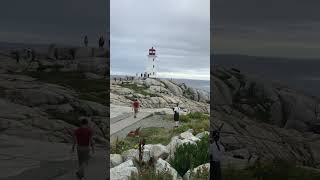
(216,154)
(83,138)
(176,114)
(135,107)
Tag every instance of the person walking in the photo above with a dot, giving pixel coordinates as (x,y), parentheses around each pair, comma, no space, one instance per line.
(176,114)
(17,56)
(86,41)
(101,42)
(216,154)
(83,139)
(33,55)
(135,107)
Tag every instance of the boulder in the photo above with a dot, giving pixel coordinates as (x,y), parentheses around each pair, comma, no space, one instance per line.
(93,76)
(201,168)
(130,154)
(221,93)
(158,151)
(115,160)
(202,134)
(123,171)
(163,166)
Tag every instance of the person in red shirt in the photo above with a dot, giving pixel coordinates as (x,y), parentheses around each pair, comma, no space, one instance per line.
(135,107)
(83,139)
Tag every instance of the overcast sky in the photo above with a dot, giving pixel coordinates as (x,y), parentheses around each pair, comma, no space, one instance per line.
(286,28)
(58,21)
(178,29)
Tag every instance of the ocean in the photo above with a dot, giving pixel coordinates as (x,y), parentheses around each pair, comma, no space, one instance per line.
(198,84)
(299,74)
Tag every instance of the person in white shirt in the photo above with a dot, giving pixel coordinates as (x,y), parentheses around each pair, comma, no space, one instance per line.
(216,154)
(176,111)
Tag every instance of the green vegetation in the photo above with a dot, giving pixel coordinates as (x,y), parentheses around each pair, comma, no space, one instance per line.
(189,156)
(150,173)
(88,89)
(152,135)
(138,89)
(277,170)
(199,122)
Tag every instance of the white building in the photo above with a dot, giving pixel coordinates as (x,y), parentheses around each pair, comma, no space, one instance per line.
(151,63)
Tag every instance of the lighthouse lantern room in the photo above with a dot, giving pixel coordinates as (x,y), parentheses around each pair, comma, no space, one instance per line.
(151,64)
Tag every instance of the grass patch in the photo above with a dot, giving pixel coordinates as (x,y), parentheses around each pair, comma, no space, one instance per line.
(199,122)
(152,135)
(277,170)
(88,89)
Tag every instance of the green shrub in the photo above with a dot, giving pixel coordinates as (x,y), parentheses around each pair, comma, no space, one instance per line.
(188,156)
(197,126)
(184,118)
(198,115)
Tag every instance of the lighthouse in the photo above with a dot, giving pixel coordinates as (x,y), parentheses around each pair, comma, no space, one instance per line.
(151,64)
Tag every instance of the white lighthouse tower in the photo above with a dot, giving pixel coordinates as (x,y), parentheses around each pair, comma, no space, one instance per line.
(151,64)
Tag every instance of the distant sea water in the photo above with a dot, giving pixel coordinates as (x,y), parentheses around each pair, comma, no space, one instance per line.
(299,74)
(198,84)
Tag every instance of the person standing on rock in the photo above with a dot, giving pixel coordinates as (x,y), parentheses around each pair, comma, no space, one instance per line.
(176,114)
(17,56)
(101,42)
(86,41)
(33,54)
(216,154)
(83,139)
(135,107)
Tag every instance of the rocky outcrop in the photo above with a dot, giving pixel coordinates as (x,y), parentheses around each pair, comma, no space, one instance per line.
(155,93)
(124,171)
(201,168)
(263,121)
(30,108)
(115,160)
(157,154)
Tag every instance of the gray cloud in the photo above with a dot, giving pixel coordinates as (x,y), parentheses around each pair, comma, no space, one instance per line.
(287,28)
(61,21)
(178,29)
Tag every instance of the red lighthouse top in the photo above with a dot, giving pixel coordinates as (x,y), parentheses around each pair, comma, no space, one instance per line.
(152,51)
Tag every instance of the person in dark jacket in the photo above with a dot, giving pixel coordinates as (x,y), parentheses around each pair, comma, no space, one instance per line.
(101,42)
(86,41)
